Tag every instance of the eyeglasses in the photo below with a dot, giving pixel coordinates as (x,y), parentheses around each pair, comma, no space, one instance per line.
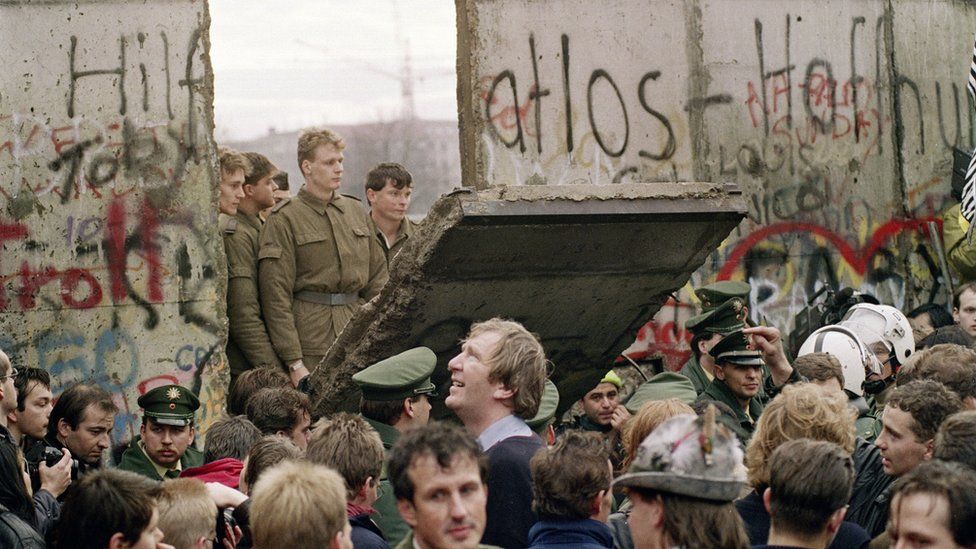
(12,374)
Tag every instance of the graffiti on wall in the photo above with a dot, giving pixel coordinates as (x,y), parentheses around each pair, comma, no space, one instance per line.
(109,260)
(839,135)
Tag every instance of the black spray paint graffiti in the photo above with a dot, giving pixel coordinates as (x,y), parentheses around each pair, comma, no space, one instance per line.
(599,77)
(142,154)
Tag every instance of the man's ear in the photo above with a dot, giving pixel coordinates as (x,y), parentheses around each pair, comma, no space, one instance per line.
(407,512)
(596,504)
(370,196)
(248,190)
(11,417)
(361,493)
(719,372)
(63,428)
(117,541)
(929,445)
(502,393)
(767,496)
(835,520)
(408,408)
(306,167)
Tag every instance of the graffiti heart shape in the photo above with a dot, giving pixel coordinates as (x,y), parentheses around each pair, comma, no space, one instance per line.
(857,258)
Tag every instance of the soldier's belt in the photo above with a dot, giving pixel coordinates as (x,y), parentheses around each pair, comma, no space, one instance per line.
(326,299)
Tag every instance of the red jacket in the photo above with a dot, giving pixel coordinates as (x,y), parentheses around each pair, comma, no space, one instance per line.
(226,471)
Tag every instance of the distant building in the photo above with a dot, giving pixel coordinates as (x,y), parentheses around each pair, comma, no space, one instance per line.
(427,148)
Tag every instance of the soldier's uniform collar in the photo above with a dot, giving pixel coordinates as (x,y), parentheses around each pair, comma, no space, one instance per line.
(320,205)
(252,221)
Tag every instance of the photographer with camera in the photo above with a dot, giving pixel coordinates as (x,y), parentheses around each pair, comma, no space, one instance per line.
(81,422)
(49,469)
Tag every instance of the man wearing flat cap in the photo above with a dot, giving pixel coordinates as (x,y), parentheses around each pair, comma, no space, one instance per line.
(395,398)
(739,381)
(163,448)
(707,329)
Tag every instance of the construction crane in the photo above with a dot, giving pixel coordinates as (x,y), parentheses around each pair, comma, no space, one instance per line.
(405,76)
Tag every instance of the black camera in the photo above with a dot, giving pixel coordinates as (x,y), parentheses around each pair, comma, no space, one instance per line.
(49,455)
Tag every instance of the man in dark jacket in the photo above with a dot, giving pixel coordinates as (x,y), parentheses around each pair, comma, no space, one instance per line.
(572,495)
(496,384)
(346,443)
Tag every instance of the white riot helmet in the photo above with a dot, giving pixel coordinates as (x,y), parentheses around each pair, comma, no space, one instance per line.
(856,360)
(882,323)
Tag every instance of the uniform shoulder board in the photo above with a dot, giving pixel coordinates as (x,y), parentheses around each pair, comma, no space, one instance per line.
(280,205)
(356,198)
(228,224)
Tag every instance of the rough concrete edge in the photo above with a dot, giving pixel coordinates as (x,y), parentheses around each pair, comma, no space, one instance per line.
(468,121)
(380,320)
(218,378)
(578,193)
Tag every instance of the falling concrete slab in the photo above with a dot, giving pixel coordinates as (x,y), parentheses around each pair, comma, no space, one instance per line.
(582,266)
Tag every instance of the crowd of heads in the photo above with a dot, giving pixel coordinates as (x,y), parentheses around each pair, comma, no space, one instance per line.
(869,432)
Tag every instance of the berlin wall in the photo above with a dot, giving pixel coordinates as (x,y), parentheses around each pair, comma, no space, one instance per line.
(111,262)
(837,119)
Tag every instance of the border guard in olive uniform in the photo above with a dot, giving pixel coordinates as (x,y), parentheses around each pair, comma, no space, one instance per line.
(248,344)
(164,446)
(388,190)
(318,262)
(395,398)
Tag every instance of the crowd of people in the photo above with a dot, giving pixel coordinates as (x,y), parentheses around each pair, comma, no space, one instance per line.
(863,436)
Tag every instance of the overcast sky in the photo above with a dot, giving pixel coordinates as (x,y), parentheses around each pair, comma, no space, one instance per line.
(287,64)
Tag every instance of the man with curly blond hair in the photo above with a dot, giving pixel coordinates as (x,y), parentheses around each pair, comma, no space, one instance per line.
(802,410)
(496,384)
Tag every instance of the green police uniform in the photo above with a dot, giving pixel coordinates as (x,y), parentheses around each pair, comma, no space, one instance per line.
(168,405)
(547,410)
(317,264)
(726,318)
(714,295)
(394,379)
(733,351)
(662,387)
(248,344)
(407,228)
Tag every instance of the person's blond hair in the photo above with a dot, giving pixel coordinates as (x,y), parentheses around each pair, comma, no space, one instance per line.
(801,410)
(518,362)
(298,504)
(231,161)
(650,415)
(186,513)
(310,140)
(349,445)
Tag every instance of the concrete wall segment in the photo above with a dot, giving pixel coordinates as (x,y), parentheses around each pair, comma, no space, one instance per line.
(836,119)
(111,264)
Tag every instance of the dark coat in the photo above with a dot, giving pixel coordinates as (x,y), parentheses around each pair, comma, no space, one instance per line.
(509,504)
(578,534)
(365,534)
(17,534)
(869,500)
(756,520)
